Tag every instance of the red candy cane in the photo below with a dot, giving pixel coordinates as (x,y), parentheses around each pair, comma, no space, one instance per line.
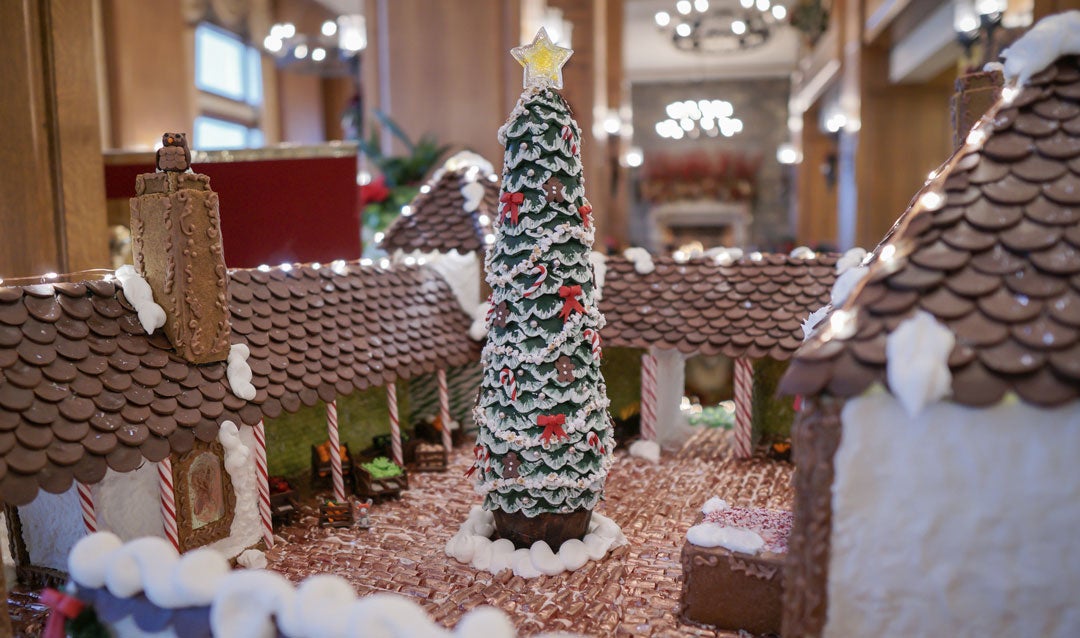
(594,441)
(541,270)
(506,377)
(567,133)
(594,337)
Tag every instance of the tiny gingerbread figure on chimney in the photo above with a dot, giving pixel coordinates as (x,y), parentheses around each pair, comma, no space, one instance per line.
(176,245)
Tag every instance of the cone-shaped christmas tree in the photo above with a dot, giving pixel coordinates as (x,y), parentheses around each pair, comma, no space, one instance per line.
(545,440)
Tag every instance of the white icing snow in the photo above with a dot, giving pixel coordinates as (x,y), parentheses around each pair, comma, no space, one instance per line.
(967,516)
(51,525)
(5,550)
(853,258)
(802,252)
(641,259)
(814,319)
(917,364)
(141,298)
(478,329)
(246,529)
(252,559)
(845,285)
(1053,37)
(472,544)
(724,256)
(734,539)
(464,160)
(648,450)
(128,504)
(714,504)
(255,603)
(599,265)
(473,192)
(239,372)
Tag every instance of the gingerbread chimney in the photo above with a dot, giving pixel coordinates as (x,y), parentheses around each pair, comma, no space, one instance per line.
(975,94)
(176,243)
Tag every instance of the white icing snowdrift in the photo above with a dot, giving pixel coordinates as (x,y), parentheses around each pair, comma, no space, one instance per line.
(254,603)
(958,522)
(850,270)
(918,361)
(599,265)
(802,252)
(473,545)
(648,450)
(641,259)
(1053,37)
(724,256)
(239,372)
(141,298)
(734,539)
(246,529)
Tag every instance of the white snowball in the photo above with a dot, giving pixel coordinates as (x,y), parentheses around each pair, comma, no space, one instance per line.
(485,622)
(141,297)
(246,602)
(502,556)
(198,574)
(315,609)
(389,616)
(917,366)
(573,553)
(252,559)
(648,450)
(90,558)
(731,538)
(714,504)
(544,560)
(124,576)
(523,565)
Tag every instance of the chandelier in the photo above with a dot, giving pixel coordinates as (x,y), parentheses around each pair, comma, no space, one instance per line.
(721,26)
(328,52)
(689,118)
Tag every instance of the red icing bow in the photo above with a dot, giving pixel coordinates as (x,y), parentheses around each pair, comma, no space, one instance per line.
(570,302)
(552,426)
(584,211)
(64,607)
(512,205)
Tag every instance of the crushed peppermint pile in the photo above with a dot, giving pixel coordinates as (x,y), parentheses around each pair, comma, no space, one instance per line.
(772,525)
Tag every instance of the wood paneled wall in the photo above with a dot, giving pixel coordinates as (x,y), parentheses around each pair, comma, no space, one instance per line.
(52,202)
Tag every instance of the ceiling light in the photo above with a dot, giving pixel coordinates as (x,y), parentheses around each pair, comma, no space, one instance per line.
(701,5)
(683,30)
(663,18)
(738,27)
(300,51)
(779,12)
(318,54)
(683,7)
(329,28)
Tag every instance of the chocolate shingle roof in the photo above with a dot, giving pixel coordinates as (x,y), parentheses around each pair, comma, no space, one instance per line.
(998,262)
(83,388)
(438,221)
(751,308)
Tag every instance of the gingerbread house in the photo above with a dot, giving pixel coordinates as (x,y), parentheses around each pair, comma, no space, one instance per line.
(936,483)
(105,426)
(747,307)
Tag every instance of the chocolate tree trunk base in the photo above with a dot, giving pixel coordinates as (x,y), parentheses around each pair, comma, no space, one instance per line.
(552,528)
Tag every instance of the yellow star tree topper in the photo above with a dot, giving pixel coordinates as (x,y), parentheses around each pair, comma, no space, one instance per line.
(543,60)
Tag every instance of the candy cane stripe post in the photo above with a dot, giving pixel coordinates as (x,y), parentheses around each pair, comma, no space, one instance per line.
(263,480)
(168,502)
(594,338)
(444,410)
(86,502)
(744,381)
(648,397)
(395,424)
(335,452)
